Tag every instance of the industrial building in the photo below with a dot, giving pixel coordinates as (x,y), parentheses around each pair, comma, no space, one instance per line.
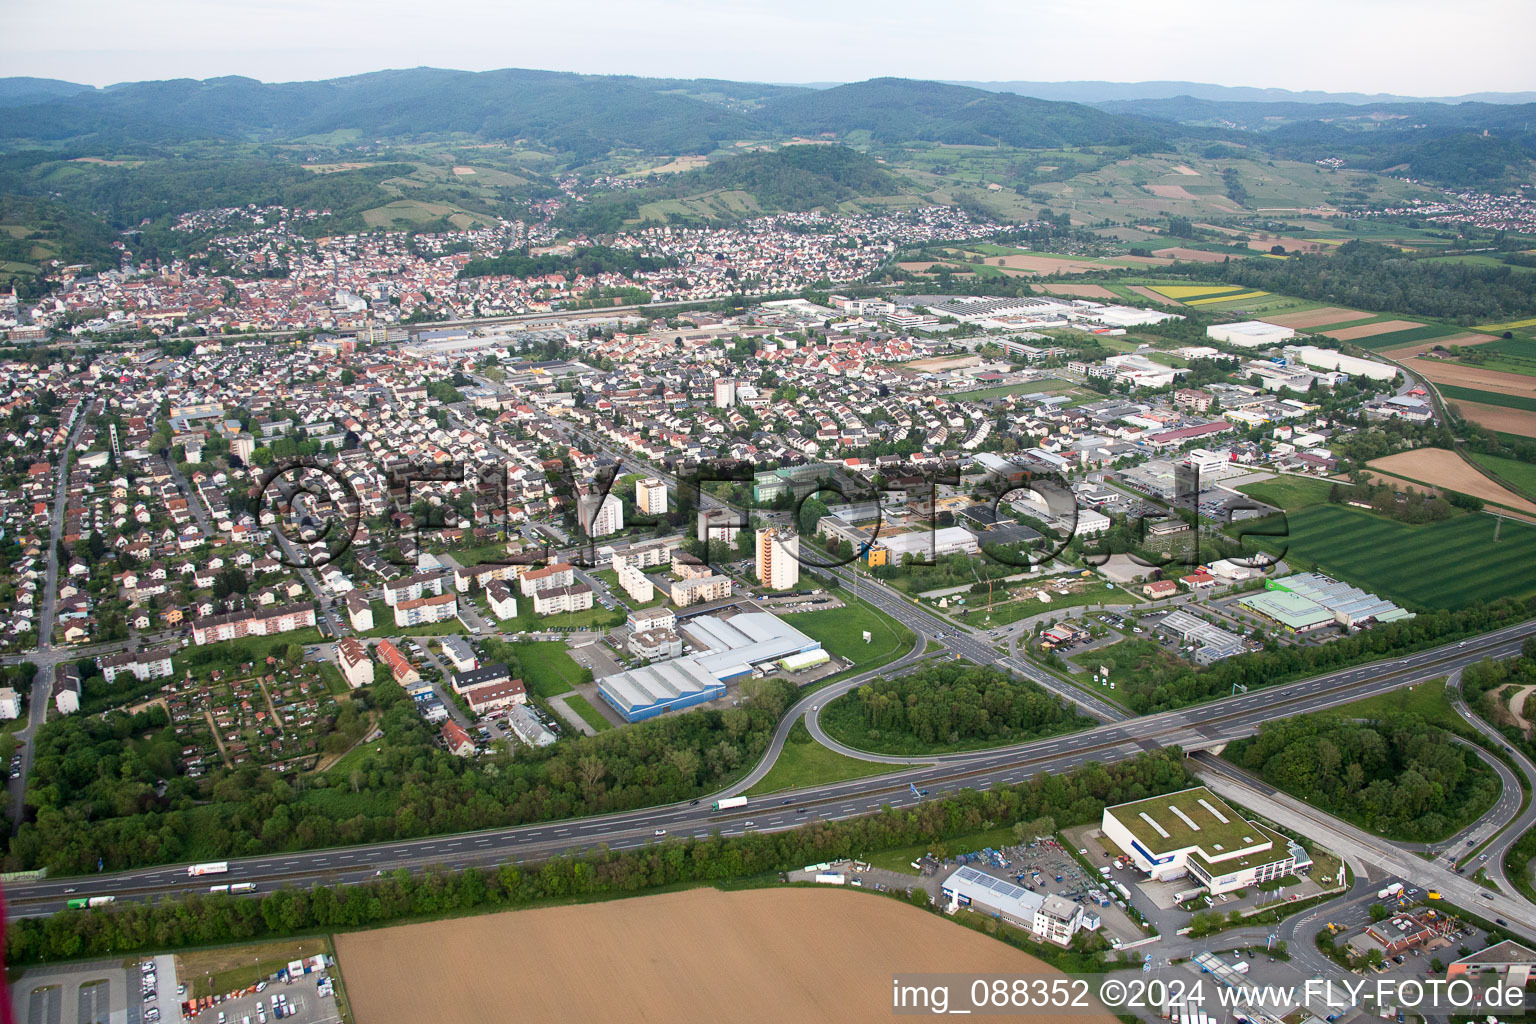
(727,649)
(1213,642)
(1250,334)
(1328,359)
(1052,918)
(923,545)
(1309,600)
(1194,832)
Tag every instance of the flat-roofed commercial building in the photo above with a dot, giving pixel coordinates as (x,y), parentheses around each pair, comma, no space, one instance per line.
(1194,832)
(727,649)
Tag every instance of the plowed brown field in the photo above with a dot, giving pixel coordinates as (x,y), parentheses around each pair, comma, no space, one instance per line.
(769,955)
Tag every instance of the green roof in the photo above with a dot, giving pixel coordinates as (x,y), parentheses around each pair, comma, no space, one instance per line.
(1279,849)
(1288,609)
(1189,818)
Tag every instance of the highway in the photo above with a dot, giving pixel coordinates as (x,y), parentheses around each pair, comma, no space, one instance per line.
(1196,727)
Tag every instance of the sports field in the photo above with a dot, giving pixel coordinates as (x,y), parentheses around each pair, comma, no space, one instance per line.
(1442,565)
(696,956)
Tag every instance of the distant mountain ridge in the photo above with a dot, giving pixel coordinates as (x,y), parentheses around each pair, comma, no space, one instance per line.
(1106,92)
(585,115)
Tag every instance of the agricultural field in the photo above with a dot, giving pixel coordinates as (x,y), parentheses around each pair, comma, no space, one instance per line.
(1511,325)
(1440,565)
(1442,469)
(1514,424)
(1456,393)
(1518,474)
(1505,355)
(1477,377)
(738,956)
(1325,316)
(413,213)
(1401,338)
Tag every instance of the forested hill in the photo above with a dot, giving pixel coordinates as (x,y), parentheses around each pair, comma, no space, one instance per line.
(898,109)
(796,179)
(584,115)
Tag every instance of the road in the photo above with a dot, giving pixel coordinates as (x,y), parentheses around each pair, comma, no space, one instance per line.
(46,656)
(1383,859)
(1195,727)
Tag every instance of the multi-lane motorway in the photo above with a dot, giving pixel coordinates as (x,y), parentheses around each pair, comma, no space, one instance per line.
(1194,727)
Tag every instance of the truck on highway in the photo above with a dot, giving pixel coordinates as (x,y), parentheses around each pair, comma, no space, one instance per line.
(217,867)
(829,878)
(80,902)
(729,802)
(1395,889)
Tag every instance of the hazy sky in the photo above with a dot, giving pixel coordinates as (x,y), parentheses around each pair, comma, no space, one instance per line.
(1414,47)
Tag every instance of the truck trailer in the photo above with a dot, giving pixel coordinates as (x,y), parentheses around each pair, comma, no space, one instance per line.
(217,867)
(729,802)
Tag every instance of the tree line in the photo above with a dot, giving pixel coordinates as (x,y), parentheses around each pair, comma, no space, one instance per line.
(95,799)
(200,919)
(1277,663)
(1404,778)
(1377,277)
(945,706)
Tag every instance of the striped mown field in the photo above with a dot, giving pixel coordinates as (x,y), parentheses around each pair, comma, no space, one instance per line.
(1441,565)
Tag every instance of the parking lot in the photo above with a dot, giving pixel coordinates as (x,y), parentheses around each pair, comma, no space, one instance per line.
(300,1000)
(99,993)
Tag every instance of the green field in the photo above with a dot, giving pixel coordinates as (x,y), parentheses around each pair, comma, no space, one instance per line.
(841,630)
(1426,700)
(1097,594)
(1290,493)
(588,713)
(1522,475)
(547,667)
(1508,355)
(804,762)
(1488,397)
(1408,336)
(1441,565)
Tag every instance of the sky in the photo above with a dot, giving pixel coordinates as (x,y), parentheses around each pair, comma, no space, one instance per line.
(1408,47)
